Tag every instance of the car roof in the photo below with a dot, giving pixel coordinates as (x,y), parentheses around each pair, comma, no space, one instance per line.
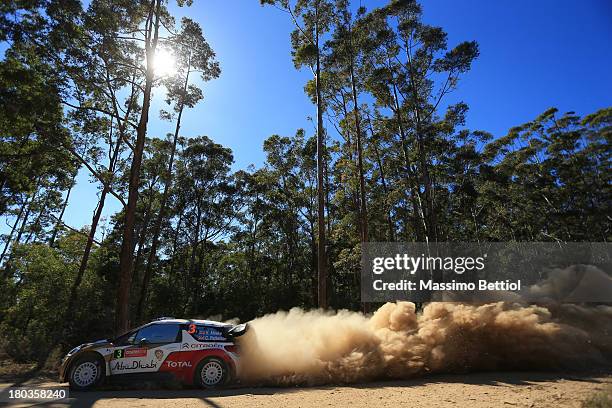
(196,321)
(210,322)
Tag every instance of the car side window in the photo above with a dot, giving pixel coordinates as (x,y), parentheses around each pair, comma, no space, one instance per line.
(158,333)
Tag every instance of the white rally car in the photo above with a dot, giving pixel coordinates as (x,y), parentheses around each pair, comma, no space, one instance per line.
(198,352)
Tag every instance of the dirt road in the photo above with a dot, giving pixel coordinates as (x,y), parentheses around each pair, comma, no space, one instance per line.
(513,389)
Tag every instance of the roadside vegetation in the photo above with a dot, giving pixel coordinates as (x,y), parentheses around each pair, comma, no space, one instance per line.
(389,159)
(600,399)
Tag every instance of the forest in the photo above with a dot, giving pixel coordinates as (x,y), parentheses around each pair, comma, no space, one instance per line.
(387,159)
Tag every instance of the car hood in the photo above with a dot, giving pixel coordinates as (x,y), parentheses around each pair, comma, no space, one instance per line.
(97,343)
(88,346)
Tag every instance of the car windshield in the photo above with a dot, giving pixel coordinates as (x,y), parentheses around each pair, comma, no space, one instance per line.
(124,337)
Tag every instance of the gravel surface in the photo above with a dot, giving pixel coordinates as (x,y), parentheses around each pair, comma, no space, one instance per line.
(494,389)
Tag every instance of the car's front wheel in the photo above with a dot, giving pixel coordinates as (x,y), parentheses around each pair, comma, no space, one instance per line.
(86,373)
(212,372)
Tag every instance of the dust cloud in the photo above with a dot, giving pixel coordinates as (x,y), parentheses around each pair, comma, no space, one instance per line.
(316,347)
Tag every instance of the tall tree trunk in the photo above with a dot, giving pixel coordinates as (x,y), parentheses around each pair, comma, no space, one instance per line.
(383,181)
(126,256)
(313,263)
(72,297)
(362,193)
(58,224)
(13,229)
(430,215)
(354,195)
(415,196)
(95,220)
(36,224)
(8,270)
(142,234)
(175,242)
(162,207)
(190,281)
(321,244)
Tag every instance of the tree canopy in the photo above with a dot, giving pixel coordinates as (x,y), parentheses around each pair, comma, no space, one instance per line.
(389,160)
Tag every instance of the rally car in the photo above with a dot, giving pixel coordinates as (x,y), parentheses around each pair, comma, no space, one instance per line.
(196,352)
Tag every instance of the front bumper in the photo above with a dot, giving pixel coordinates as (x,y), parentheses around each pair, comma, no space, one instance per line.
(63,369)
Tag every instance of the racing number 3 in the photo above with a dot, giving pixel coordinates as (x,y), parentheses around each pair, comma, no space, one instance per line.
(192,329)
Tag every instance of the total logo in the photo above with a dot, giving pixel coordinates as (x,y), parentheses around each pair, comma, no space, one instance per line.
(179,364)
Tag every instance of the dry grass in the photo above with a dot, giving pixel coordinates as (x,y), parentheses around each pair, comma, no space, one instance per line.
(601,399)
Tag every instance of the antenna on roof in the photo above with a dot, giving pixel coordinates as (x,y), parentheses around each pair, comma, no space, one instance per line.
(163,318)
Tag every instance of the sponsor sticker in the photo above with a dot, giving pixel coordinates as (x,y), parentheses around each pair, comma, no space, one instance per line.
(203,333)
(159,354)
(210,338)
(200,346)
(137,364)
(130,352)
(178,364)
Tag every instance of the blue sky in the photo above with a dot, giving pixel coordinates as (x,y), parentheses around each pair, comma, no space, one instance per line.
(533,55)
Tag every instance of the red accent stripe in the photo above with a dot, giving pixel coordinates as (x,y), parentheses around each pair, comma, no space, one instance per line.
(183,363)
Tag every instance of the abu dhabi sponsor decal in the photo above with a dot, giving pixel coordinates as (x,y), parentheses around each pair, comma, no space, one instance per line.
(178,364)
(130,352)
(200,346)
(134,365)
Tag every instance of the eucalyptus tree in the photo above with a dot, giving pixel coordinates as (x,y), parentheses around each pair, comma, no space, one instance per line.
(344,60)
(155,19)
(103,82)
(385,161)
(98,54)
(92,66)
(193,55)
(32,124)
(59,219)
(407,57)
(149,28)
(211,202)
(548,180)
(274,246)
(287,217)
(86,64)
(312,20)
(32,219)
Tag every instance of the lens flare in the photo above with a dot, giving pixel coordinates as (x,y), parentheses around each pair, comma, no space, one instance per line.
(163,63)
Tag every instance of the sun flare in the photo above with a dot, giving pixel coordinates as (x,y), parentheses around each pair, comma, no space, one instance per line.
(163,63)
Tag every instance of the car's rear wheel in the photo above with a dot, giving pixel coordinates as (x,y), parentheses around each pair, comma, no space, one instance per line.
(86,373)
(212,372)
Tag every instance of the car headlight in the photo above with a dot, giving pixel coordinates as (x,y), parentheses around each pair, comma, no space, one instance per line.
(74,350)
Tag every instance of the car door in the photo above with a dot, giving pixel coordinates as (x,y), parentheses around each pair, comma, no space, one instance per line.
(146,349)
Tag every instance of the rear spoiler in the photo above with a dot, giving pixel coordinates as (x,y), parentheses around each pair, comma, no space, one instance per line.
(238,330)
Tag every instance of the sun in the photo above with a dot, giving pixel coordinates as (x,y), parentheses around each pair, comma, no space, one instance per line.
(163,63)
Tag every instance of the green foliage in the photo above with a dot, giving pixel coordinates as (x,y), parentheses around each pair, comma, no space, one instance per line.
(39,295)
(211,241)
(31,128)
